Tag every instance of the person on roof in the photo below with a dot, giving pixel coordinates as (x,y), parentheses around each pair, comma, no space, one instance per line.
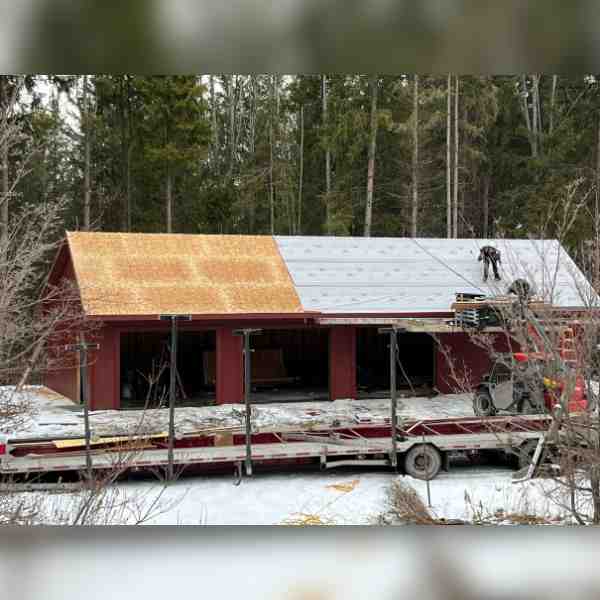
(489,254)
(521,288)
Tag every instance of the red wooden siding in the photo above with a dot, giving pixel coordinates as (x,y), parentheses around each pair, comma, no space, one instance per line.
(64,380)
(471,362)
(230,367)
(62,375)
(342,362)
(104,372)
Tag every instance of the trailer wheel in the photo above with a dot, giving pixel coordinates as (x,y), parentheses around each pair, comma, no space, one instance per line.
(423,462)
(483,405)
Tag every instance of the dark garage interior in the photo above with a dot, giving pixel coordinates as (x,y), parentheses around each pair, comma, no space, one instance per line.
(145,359)
(290,365)
(416,357)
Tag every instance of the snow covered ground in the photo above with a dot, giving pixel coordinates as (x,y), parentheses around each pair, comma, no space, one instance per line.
(354,498)
(340,498)
(329,498)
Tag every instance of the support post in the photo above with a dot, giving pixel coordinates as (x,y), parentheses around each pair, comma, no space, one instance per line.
(172,383)
(82,348)
(394,405)
(246,333)
(392,332)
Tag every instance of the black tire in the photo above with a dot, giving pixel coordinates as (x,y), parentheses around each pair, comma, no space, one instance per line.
(483,405)
(423,461)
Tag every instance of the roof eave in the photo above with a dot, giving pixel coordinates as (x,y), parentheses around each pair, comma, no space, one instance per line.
(214,317)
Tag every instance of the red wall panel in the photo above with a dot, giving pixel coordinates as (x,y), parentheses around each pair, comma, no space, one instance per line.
(229,367)
(64,380)
(469,361)
(104,371)
(342,362)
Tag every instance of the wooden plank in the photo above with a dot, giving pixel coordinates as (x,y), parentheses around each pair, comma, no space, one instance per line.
(74,443)
(410,325)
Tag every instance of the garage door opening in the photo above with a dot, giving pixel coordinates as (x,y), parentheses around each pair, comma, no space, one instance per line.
(290,365)
(415,365)
(145,374)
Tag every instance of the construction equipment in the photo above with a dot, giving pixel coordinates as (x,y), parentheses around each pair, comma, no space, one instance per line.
(523,389)
(533,381)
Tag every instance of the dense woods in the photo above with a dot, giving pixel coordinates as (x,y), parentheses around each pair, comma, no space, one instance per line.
(395,155)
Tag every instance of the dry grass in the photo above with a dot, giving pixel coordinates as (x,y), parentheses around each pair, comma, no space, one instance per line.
(307,520)
(482,515)
(406,507)
(344,487)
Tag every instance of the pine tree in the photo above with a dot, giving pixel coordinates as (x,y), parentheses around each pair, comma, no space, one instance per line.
(175,129)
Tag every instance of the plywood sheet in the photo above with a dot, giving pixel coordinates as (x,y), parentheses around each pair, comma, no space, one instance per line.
(130,274)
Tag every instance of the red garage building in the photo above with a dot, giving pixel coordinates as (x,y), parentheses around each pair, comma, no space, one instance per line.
(318,300)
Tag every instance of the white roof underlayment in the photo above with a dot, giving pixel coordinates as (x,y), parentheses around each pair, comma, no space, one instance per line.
(422,275)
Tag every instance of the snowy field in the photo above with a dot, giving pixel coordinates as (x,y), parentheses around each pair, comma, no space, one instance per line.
(349,498)
(329,498)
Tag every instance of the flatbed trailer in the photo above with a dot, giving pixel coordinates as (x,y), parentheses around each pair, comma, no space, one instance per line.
(422,446)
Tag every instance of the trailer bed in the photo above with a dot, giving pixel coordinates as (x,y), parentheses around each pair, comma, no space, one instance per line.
(332,433)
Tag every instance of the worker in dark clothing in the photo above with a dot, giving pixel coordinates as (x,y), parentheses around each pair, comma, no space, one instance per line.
(489,254)
(523,291)
(521,288)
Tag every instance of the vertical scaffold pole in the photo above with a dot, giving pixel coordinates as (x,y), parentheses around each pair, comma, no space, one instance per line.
(246,333)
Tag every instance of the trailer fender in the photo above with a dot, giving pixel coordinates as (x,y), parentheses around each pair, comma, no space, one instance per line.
(423,461)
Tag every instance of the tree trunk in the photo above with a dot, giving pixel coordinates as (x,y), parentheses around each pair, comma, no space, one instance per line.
(169,199)
(128,189)
(486,205)
(252,121)
(230,93)
(449,231)
(552,102)
(213,116)
(535,116)
(129,152)
(5,192)
(87,192)
(525,108)
(596,270)
(327,157)
(271,186)
(415,160)
(276,95)
(456,118)
(301,172)
(538,79)
(124,152)
(371,157)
